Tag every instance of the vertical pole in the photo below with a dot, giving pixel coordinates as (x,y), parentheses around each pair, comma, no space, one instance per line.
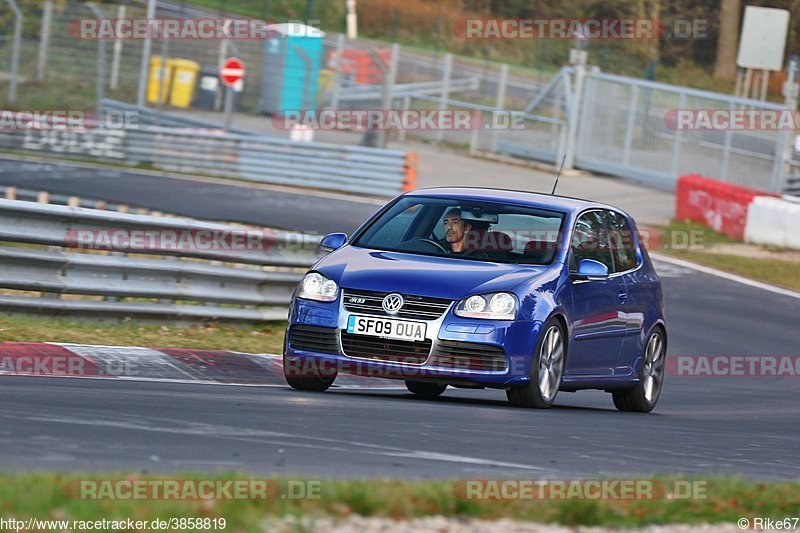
(162,80)
(726,150)
(629,126)
(101,63)
(401,136)
(388,87)
(44,40)
(114,81)
(748,78)
(444,97)
(352,19)
(12,86)
(223,54)
(500,101)
(572,126)
(764,84)
(676,142)
(228,107)
(147,46)
(337,64)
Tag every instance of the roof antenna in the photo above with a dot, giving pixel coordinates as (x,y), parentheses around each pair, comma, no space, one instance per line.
(558,175)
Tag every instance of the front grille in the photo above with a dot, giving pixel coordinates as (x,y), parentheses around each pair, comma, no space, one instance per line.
(390,350)
(468,356)
(415,307)
(313,339)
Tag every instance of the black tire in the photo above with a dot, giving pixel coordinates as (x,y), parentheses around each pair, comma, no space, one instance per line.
(428,391)
(531,394)
(639,399)
(311,383)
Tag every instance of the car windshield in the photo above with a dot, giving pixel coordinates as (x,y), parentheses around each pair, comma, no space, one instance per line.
(466,229)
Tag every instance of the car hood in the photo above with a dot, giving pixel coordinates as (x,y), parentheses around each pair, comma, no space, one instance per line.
(437,277)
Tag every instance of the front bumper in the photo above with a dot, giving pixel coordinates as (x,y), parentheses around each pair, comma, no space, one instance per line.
(516,338)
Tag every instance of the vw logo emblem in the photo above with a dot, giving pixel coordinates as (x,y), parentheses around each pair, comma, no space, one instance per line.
(392,303)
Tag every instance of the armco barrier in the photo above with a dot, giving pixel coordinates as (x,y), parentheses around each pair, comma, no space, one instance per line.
(773,221)
(718,205)
(223,273)
(193,147)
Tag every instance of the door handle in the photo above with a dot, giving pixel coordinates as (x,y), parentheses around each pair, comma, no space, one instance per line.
(623,296)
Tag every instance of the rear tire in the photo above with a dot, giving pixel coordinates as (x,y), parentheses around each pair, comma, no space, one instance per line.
(644,396)
(547,368)
(427,391)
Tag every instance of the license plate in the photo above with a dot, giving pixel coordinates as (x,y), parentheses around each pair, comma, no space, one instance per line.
(387,328)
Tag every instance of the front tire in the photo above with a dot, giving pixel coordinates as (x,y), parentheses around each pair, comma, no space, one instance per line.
(547,368)
(307,382)
(427,391)
(644,396)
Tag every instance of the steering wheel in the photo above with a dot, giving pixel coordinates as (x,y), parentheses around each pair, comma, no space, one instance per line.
(429,241)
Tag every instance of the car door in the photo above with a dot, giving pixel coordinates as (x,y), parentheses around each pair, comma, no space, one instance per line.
(598,323)
(638,286)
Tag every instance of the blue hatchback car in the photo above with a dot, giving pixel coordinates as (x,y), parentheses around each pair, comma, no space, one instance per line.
(475,288)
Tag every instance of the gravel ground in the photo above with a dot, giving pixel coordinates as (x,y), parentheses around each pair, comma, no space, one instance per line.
(440,524)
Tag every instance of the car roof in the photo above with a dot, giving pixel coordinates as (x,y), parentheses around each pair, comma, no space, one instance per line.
(556,202)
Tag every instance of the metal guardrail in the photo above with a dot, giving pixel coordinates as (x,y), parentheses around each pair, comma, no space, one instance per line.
(251,282)
(196,147)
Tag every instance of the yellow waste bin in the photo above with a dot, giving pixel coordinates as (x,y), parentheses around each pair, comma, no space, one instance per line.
(184,80)
(154,80)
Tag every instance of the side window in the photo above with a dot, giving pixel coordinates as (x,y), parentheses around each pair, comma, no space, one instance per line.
(590,241)
(623,244)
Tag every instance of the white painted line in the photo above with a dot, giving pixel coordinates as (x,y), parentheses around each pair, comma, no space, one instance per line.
(726,275)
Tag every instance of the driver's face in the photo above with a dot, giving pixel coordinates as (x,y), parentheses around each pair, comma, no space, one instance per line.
(454,228)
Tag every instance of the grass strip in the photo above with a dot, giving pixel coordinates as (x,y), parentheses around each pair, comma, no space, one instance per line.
(46,496)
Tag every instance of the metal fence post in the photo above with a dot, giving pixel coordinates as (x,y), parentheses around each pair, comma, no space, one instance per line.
(12,86)
(676,141)
(500,102)
(337,64)
(629,125)
(573,119)
(445,95)
(144,70)
(389,78)
(44,40)
(114,81)
(101,62)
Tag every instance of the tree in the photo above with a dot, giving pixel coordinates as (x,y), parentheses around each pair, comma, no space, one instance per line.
(728,41)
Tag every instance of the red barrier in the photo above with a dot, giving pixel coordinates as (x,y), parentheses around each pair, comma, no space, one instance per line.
(720,206)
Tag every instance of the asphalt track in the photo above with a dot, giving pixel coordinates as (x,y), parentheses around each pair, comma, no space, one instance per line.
(702,425)
(211,199)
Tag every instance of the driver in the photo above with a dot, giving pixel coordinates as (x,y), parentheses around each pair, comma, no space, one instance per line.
(456,232)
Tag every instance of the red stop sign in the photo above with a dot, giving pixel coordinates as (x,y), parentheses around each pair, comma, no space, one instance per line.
(232,71)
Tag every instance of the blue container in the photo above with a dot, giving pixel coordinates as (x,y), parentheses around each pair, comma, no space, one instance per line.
(292,60)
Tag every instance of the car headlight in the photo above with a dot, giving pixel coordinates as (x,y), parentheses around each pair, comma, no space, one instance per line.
(495,306)
(317,287)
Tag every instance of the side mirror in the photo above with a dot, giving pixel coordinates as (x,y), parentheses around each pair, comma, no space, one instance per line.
(332,242)
(592,270)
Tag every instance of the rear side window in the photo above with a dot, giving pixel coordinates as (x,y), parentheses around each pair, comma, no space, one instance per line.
(623,244)
(590,241)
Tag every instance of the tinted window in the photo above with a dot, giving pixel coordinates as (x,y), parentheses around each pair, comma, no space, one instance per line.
(623,244)
(468,229)
(590,241)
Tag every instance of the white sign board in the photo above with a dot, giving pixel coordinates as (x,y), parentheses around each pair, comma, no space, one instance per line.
(763,38)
